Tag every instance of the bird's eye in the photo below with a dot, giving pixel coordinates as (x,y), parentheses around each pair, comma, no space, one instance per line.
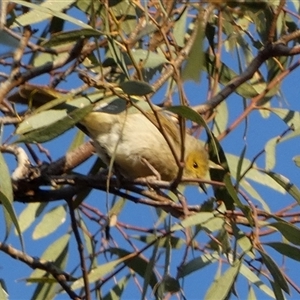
(195,165)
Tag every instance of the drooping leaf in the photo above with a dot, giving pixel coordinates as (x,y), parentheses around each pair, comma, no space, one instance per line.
(196,219)
(173,241)
(296,160)
(42,12)
(290,117)
(54,129)
(168,285)
(286,184)
(148,273)
(254,279)
(289,231)
(246,90)
(50,222)
(285,249)
(270,153)
(56,252)
(7,198)
(117,290)
(138,88)
(70,36)
(274,271)
(218,157)
(233,194)
(221,287)
(148,59)
(198,263)
(193,67)
(29,215)
(137,264)
(99,272)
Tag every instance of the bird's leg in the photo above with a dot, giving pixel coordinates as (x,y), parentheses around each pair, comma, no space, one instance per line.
(151,168)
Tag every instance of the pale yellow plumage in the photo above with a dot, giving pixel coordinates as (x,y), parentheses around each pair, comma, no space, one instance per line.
(132,138)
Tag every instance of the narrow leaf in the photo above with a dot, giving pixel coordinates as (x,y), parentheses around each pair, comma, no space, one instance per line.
(55,129)
(50,222)
(274,271)
(116,292)
(286,184)
(137,264)
(6,198)
(286,250)
(289,231)
(198,263)
(222,286)
(254,279)
(138,88)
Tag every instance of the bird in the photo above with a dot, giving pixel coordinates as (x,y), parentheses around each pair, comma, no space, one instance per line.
(138,148)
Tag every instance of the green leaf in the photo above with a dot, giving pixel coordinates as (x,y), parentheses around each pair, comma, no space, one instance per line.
(174,242)
(115,293)
(218,157)
(286,184)
(233,194)
(50,222)
(148,59)
(198,263)
(277,290)
(296,160)
(167,285)
(148,273)
(239,167)
(88,6)
(254,279)
(271,153)
(285,249)
(196,219)
(192,68)
(45,11)
(8,40)
(251,294)
(40,120)
(290,117)
(48,132)
(98,272)
(137,264)
(189,114)
(29,215)
(246,90)
(125,11)
(274,271)
(117,55)
(6,198)
(57,252)
(222,286)
(289,231)
(138,88)
(221,118)
(70,36)
(253,174)
(3,290)
(180,29)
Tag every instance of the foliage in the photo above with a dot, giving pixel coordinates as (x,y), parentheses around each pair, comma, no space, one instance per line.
(62,59)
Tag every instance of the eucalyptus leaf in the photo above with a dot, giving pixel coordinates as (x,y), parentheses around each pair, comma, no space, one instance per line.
(136,88)
(7,198)
(44,11)
(275,271)
(48,132)
(50,222)
(221,287)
